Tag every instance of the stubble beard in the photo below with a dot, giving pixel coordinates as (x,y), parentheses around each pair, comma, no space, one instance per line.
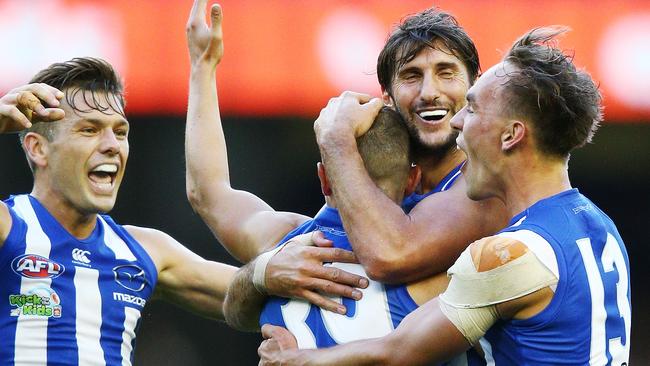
(422,150)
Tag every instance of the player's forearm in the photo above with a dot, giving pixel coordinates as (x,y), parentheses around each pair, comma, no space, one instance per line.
(423,337)
(244,303)
(370,352)
(205,145)
(212,288)
(379,230)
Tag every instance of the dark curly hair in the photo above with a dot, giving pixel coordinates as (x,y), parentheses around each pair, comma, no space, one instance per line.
(422,30)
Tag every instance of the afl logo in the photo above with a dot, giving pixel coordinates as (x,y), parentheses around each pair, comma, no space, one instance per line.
(35,266)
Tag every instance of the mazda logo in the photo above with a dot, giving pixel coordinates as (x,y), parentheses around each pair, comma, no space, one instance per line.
(130,277)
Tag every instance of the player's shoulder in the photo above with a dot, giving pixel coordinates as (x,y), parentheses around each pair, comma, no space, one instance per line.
(494,251)
(160,246)
(145,235)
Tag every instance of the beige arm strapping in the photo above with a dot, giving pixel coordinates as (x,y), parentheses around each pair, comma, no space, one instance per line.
(470,300)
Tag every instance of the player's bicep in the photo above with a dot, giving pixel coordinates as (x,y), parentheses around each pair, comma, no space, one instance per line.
(443,230)
(5,222)
(184,277)
(458,218)
(220,204)
(246,226)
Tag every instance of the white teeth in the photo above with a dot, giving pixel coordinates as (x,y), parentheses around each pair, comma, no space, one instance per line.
(436,113)
(104,185)
(106,168)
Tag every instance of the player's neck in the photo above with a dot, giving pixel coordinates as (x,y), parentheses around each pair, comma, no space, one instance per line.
(78,224)
(436,167)
(537,181)
(330,201)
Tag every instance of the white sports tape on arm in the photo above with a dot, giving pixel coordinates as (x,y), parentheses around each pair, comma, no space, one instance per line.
(469,288)
(470,300)
(259,272)
(472,323)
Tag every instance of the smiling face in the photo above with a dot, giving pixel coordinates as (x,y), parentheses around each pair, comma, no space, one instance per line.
(482,124)
(428,91)
(86,158)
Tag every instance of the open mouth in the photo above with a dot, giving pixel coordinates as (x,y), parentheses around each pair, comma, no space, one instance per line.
(103,176)
(433,116)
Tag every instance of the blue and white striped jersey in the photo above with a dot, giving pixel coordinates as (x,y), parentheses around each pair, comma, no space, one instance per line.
(380,310)
(66,301)
(588,321)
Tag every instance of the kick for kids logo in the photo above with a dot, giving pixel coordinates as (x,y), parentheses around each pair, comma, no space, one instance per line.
(38,302)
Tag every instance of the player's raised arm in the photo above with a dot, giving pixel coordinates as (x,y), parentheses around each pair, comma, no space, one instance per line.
(244,224)
(19,108)
(184,278)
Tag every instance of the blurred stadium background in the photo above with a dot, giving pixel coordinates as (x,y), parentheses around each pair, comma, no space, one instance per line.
(283,60)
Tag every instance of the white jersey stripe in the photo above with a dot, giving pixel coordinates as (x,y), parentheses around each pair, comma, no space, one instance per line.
(130,321)
(444,188)
(116,244)
(487,350)
(89,317)
(31,331)
(597,354)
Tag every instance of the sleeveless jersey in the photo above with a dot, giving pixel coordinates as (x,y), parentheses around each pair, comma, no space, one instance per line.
(414,198)
(588,320)
(66,301)
(380,310)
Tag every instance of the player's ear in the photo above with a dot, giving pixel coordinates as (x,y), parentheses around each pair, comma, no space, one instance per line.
(324,183)
(36,147)
(386,98)
(512,135)
(415,174)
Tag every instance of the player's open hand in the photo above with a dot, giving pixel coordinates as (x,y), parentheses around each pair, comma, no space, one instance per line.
(205,42)
(350,114)
(297,271)
(29,104)
(278,343)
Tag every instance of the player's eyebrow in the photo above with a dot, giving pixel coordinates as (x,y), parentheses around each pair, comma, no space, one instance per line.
(446,65)
(101,122)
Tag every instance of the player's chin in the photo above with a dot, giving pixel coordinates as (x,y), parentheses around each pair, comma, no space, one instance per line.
(102,204)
